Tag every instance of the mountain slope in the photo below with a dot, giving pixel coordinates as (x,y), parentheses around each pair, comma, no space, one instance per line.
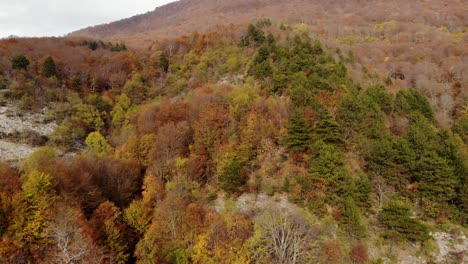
(185,16)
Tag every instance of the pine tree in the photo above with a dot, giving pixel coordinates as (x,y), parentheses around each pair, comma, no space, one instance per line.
(20,62)
(352,219)
(231,179)
(328,131)
(299,137)
(49,68)
(437,179)
(164,62)
(396,217)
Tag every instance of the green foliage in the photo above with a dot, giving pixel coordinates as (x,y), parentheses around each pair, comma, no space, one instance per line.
(38,159)
(327,167)
(120,110)
(380,96)
(231,179)
(255,37)
(393,159)
(460,126)
(396,217)
(49,68)
(299,137)
(3,82)
(410,101)
(20,62)
(119,47)
(31,224)
(328,131)
(438,181)
(421,134)
(92,45)
(164,62)
(360,114)
(352,219)
(135,89)
(98,144)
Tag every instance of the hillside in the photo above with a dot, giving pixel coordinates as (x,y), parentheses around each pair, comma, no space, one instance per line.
(421,44)
(185,16)
(274,141)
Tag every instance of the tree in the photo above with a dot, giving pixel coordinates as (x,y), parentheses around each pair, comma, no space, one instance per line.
(31,222)
(108,230)
(285,237)
(98,144)
(327,170)
(328,130)
(410,100)
(396,217)
(255,37)
(20,62)
(231,179)
(437,179)
(120,110)
(70,245)
(383,98)
(135,89)
(352,219)
(49,68)
(359,254)
(360,114)
(299,137)
(164,62)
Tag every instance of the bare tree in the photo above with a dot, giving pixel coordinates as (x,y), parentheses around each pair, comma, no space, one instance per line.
(286,236)
(69,244)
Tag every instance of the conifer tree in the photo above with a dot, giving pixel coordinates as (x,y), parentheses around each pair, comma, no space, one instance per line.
(20,62)
(231,179)
(299,137)
(328,131)
(396,217)
(49,68)
(164,62)
(352,219)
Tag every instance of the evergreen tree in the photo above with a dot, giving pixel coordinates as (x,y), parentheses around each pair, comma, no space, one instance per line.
(231,179)
(437,179)
(396,217)
(299,137)
(49,68)
(262,55)
(328,131)
(20,62)
(254,37)
(380,96)
(360,114)
(327,165)
(410,101)
(352,219)
(164,62)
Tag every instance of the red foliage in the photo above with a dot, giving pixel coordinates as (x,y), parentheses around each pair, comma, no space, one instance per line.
(359,254)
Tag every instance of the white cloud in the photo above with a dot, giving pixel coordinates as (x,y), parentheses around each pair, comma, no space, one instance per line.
(34,18)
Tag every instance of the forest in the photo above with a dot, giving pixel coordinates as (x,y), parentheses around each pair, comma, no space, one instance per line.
(155,148)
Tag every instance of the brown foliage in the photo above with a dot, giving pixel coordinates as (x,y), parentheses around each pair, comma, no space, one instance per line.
(359,254)
(332,251)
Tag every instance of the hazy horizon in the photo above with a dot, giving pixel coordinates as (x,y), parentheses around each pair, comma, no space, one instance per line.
(52,18)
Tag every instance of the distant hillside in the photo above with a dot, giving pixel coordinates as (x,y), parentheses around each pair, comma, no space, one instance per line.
(421,44)
(185,16)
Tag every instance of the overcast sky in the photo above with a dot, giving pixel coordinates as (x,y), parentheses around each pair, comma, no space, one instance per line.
(37,18)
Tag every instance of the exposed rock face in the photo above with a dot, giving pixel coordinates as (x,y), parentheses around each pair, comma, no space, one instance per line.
(13,122)
(450,246)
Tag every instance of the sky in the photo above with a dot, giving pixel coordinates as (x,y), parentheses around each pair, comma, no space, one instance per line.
(39,18)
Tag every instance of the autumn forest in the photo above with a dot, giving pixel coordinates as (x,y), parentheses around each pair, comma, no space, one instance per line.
(266,141)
